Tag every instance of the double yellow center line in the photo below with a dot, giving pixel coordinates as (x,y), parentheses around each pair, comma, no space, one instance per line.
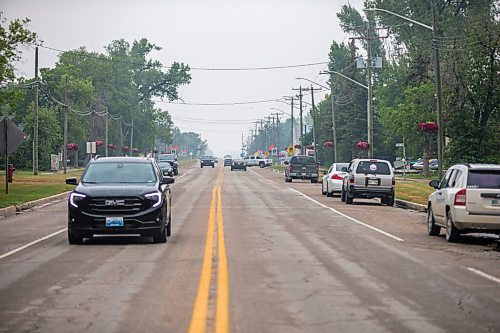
(200,311)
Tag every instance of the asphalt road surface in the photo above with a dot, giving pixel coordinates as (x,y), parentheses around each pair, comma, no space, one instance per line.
(249,253)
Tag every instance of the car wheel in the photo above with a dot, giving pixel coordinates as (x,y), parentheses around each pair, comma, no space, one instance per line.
(202,166)
(262,164)
(74,240)
(328,193)
(390,201)
(161,237)
(432,228)
(383,201)
(245,169)
(323,188)
(348,198)
(314,180)
(176,172)
(342,195)
(231,168)
(169,225)
(213,166)
(452,233)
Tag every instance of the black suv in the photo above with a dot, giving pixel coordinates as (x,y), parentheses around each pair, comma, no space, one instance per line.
(120,195)
(207,161)
(170,158)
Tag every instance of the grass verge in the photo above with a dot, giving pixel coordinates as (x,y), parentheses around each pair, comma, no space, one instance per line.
(28,187)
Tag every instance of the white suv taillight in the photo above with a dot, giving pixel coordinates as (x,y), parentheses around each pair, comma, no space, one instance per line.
(351,179)
(460,197)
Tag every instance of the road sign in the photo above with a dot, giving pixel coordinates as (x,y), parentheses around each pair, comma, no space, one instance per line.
(290,150)
(10,139)
(400,144)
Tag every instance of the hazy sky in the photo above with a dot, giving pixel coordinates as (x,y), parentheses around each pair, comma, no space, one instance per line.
(202,34)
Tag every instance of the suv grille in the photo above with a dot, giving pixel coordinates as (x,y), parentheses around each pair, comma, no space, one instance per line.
(115,205)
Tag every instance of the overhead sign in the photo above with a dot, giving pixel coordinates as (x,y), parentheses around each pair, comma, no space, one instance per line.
(14,136)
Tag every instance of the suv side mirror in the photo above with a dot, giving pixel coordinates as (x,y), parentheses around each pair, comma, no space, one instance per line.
(434,183)
(72,181)
(344,169)
(167,180)
(286,163)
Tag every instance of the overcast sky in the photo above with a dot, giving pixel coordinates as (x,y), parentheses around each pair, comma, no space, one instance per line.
(202,34)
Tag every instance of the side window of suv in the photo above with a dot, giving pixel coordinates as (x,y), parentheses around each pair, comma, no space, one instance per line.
(446,179)
(455,178)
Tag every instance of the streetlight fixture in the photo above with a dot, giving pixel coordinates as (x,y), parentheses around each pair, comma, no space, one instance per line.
(437,75)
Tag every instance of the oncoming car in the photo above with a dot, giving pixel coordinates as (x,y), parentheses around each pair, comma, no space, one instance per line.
(238,164)
(120,195)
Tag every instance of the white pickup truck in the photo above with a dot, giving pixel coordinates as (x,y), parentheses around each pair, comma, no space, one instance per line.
(257,161)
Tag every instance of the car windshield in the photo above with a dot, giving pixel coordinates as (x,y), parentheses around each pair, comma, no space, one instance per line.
(483,179)
(377,168)
(119,172)
(166,158)
(207,158)
(303,160)
(165,165)
(339,166)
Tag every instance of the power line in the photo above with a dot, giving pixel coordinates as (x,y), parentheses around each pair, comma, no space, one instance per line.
(217,104)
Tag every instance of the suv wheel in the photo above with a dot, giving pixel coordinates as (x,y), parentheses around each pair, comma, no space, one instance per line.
(348,198)
(169,226)
(452,233)
(262,164)
(390,201)
(161,237)
(342,195)
(74,240)
(314,180)
(201,165)
(432,228)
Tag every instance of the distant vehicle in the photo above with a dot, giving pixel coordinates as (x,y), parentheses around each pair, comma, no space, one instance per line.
(166,168)
(238,164)
(257,161)
(170,158)
(207,160)
(120,195)
(332,180)
(302,167)
(419,165)
(228,161)
(369,178)
(467,199)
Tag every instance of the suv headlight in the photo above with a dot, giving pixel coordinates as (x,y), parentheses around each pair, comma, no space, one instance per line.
(74,198)
(154,197)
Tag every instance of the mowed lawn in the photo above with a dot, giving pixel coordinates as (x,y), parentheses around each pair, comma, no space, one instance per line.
(413,190)
(27,187)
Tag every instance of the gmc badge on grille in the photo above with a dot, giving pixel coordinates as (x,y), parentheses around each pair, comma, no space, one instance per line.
(114,202)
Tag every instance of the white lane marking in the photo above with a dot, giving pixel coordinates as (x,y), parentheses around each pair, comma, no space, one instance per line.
(257,174)
(483,274)
(5,255)
(350,218)
(185,174)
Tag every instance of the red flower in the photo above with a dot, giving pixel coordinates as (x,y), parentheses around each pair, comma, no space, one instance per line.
(429,126)
(99,143)
(125,148)
(135,150)
(297,146)
(72,146)
(362,145)
(310,146)
(111,146)
(328,144)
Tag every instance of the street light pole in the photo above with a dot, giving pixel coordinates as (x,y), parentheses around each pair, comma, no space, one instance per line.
(437,75)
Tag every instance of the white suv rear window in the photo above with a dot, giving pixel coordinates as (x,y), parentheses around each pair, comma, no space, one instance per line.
(378,168)
(483,179)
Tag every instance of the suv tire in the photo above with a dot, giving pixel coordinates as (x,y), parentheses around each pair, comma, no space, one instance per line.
(348,198)
(342,195)
(432,228)
(162,236)
(328,193)
(262,164)
(389,201)
(74,240)
(452,233)
(314,180)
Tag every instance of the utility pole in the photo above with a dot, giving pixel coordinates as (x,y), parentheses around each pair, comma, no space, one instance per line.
(132,134)
(292,120)
(301,121)
(369,84)
(106,134)
(314,120)
(65,149)
(35,131)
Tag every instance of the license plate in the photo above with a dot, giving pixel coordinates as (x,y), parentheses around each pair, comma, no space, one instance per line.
(114,221)
(495,202)
(372,181)
(304,168)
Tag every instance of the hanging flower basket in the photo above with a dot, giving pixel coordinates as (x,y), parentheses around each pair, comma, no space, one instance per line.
(310,147)
(72,146)
(362,145)
(297,146)
(111,146)
(328,144)
(135,150)
(99,143)
(429,126)
(125,148)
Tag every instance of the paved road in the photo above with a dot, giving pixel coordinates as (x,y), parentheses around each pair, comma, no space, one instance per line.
(249,253)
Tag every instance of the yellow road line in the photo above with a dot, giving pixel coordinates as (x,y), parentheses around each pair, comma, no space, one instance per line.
(222,314)
(199,316)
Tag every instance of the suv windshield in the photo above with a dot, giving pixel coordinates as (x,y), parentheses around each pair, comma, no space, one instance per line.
(483,179)
(119,172)
(377,168)
(207,158)
(166,157)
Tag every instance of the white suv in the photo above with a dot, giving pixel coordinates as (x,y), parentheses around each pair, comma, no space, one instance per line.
(369,178)
(466,200)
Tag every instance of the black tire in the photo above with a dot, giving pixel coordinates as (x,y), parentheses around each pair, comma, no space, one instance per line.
(432,228)
(176,172)
(348,198)
(161,237)
(322,189)
(262,164)
(213,166)
(342,195)
(169,225)
(74,240)
(231,168)
(383,201)
(452,233)
(314,180)
(202,166)
(390,201)
(245,169)
(328,193)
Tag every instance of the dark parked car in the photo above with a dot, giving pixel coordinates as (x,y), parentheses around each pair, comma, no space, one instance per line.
(302,167)
(207,161)
(170,158)
(120,195)
(166,168)
(238,164)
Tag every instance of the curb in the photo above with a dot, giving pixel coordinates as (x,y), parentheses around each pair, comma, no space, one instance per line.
(410,205)
(12,210)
